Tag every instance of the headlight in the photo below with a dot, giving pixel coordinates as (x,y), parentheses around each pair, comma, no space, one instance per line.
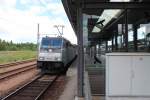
(41,58)
(50,50)
(59,59)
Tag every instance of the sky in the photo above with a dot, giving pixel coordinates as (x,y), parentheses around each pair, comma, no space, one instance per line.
(19,19)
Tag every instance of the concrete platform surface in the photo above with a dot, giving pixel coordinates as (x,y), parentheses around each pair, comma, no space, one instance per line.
(70,90)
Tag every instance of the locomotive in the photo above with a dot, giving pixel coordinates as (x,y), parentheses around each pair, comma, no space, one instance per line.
(55,55)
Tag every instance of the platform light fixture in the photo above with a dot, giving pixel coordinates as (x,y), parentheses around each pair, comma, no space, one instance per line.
(107,14)
(105,18)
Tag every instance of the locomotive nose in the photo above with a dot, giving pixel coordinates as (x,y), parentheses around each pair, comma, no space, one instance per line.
(50,56)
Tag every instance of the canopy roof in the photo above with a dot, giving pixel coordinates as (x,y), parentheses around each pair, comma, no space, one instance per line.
(110,12)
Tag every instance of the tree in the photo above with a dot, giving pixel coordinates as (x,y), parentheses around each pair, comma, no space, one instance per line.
(5,45)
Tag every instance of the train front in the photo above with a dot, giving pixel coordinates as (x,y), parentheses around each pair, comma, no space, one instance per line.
(50,55)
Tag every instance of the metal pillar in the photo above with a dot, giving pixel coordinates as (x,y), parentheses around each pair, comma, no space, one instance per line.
(126,30)
(90,52)
(95,50)
(80,50)
(116,42)
(122,37)
(135,37)
(106,46)
(112,46)
(99,48)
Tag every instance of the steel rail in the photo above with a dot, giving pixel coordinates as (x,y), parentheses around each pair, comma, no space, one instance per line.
(19,89)
(16,63)
(37,91)
(49,85)
(18,71)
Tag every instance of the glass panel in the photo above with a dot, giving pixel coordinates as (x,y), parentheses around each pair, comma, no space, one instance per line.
(141,23)
(56,42)
(51,42)
(109,46)
(119,41)
(141,38)
(141,33)
(130,41)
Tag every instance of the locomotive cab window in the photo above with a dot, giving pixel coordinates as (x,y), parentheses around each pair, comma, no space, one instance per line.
(51,45)
(51,42)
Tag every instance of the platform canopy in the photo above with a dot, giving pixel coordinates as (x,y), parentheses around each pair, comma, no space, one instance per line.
(110,13)
(105,20)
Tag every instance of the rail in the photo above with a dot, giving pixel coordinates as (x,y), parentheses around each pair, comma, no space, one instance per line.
(16,63)
(14,72)
(32,90)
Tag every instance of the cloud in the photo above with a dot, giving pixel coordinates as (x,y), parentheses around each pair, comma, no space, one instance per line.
(8,3)
(21,25)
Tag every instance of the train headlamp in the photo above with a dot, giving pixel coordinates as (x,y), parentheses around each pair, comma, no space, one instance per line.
(50,50)
(41,58)
(58,59)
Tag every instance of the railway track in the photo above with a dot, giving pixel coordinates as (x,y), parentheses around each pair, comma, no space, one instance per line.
(11,69)
(16,63)
(33,90)
(11,73)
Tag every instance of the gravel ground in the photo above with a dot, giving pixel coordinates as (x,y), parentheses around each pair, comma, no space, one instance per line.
(12,83)
(64,89)
(5,69)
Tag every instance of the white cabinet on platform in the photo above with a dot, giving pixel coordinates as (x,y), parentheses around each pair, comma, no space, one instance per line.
(128,74)
(141,76)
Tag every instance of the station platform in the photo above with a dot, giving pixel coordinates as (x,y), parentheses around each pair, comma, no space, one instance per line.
(70,91)
(93,79)
(97,83)
(96,77)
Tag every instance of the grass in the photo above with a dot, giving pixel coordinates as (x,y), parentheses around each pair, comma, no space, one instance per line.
(12,56)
